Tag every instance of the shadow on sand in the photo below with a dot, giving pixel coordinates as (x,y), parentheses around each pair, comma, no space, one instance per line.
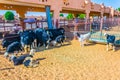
(39,59)
(2,52)
(42,48)
(36,61)
(117,48)
(7,68)
(90,44)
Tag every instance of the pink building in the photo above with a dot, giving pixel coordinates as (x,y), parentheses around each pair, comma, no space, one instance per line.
(64,6)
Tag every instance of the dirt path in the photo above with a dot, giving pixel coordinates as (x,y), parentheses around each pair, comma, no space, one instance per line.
(70,62)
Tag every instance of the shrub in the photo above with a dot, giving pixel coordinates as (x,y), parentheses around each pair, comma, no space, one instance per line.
(70,16)
(9,15)
(51,15)
(81,16)
(61,15)
(118,9)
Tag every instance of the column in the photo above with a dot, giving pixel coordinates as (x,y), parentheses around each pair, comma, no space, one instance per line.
(86,19)
(21,13)
(75,31)
(22,16)
(117,19)
(91,20)
(111,12)
(75,15)
(49,20)
(111,16)
(56,18)
(101,22)
(75,26)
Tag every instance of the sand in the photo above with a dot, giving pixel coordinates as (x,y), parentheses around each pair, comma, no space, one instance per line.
(69,62)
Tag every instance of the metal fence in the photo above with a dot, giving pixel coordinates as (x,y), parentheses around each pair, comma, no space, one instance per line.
(83,26)
(100,38)
(70,26)
(8,25)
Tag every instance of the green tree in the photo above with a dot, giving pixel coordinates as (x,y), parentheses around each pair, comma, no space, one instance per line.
(9,15)
(81,16)
(118,9)
(61,15)
(51,14)
(70,16)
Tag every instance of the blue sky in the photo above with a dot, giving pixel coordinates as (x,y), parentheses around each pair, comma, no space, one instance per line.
(29,13)
(114,3)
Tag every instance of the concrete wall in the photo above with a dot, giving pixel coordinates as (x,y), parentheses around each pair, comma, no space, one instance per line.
(78,5)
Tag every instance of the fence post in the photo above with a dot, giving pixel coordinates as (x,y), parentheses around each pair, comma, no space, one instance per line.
(75,30)
(86,19)
(49,20)
(22,24)
(64,22)
(101,24)
(56,18)
(4,25)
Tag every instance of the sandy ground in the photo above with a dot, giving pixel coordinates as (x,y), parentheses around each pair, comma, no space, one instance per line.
(69,62)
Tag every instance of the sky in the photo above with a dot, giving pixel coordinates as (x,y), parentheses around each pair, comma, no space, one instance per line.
(114,3)
(2,12)
(28,13)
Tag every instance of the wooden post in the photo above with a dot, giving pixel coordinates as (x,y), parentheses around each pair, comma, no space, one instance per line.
(91,20)
(31,25)
(49,20)
(36,23)
(86,19)
(41,24)
(101,23)
(56,18)
(4,25)
(64,22)
(22,24)
(75,30)
(22,16)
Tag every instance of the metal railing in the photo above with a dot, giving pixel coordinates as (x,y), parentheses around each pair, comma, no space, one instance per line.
(108,24)
(100,38)
(8,25)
